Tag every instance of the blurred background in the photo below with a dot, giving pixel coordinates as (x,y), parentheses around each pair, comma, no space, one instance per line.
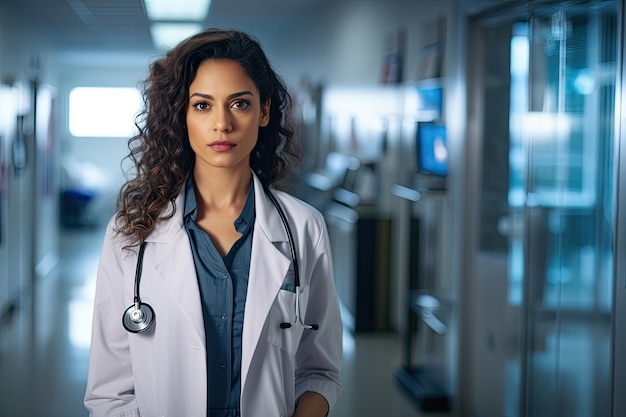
(467,156)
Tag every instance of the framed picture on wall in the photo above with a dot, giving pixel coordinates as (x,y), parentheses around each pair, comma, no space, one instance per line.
(430,55)
(393,60)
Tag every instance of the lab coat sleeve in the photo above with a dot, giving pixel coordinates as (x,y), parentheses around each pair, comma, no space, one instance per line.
(110,389)
(319,355)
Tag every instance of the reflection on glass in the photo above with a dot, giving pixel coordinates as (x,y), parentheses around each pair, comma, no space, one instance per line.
(560,194)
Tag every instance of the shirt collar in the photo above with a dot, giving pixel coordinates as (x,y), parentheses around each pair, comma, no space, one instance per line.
(191,206)
(246,218)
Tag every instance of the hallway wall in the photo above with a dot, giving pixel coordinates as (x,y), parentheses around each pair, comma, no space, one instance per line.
(28,229)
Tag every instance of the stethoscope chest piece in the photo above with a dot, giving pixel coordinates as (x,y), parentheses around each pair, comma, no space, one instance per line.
(138,318)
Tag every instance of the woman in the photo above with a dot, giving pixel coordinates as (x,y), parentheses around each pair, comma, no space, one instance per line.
(217,266)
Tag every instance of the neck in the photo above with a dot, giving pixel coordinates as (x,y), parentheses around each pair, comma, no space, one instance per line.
(223,190)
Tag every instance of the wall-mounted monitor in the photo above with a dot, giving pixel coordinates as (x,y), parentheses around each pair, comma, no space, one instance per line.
(432,149)
(432,154)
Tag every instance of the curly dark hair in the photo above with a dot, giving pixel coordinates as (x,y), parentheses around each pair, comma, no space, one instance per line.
(161,154)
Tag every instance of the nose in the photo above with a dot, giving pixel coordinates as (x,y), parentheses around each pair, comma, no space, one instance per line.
(222,119)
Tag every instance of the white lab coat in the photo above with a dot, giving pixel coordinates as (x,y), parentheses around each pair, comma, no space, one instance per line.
(162,372)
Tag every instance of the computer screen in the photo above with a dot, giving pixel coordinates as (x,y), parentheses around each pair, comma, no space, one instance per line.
(432,149)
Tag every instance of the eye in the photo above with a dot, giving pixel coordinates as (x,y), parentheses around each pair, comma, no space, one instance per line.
(240,104)
(201,106)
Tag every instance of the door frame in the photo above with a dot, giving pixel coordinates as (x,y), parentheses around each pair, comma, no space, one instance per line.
(618,347)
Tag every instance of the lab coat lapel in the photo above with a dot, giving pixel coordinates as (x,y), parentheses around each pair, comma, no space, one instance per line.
(173,263)
(268,269)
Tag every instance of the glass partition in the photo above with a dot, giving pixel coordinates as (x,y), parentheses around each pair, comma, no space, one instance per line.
(544,267)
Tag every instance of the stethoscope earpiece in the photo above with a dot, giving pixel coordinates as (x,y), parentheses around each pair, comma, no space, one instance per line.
(298,319)
(287,325)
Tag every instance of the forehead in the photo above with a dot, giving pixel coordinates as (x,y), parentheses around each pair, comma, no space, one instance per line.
(221,72)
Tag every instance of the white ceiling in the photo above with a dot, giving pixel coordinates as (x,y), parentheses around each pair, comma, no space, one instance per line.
(121,25)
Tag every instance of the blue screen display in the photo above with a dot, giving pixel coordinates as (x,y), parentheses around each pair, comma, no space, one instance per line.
(432,149)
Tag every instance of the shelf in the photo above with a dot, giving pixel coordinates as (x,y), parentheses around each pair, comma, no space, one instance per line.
(414,194)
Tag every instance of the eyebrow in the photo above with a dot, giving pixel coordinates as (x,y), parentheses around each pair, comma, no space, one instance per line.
(230,97)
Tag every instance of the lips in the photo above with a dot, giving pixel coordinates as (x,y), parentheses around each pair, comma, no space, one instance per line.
(222,146)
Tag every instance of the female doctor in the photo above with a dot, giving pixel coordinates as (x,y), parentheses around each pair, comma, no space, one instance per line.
(215,294)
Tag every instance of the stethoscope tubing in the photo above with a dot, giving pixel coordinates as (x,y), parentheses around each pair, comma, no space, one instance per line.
(294,261)
(140,316)
(142,249)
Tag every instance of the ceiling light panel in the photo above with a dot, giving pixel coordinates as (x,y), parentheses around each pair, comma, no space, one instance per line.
(173,10)
(168,35)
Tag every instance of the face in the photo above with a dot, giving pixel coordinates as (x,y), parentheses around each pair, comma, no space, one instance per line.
(224,114)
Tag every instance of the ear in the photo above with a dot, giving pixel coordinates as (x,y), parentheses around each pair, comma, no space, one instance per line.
(265,113)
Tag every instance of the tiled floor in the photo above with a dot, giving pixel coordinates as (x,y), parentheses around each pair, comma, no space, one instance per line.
(43,354)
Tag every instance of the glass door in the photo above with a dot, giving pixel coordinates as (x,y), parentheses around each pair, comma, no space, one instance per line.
(562,193)
(544,265)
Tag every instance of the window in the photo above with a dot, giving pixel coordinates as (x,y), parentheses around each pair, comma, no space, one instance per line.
(103,111)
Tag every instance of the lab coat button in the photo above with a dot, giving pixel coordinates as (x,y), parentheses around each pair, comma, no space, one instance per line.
(224,316)
(223,365)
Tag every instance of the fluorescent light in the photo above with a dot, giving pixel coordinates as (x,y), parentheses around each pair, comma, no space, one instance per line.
(88,104)
(168,35)
(172,10)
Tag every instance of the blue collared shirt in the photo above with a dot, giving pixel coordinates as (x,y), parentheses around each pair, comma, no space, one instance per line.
(223,286)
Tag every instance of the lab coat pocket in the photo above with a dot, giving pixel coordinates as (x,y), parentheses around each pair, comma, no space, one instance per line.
(284,311)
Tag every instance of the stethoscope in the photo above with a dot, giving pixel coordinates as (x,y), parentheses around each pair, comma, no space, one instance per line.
(140,316)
